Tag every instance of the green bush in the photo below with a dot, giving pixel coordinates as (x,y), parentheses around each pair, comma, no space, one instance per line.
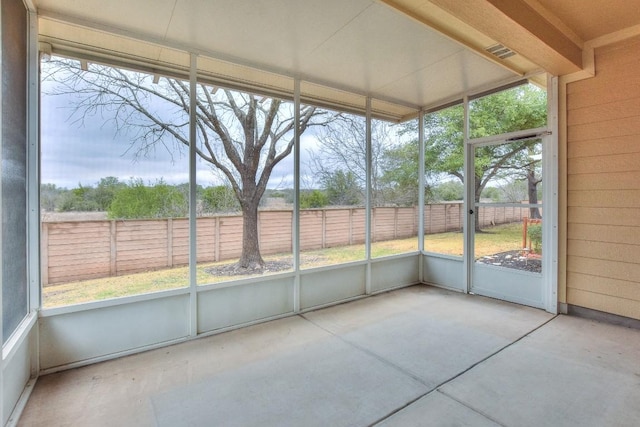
(136,201)
(534,231)
(313,199)
(220,198)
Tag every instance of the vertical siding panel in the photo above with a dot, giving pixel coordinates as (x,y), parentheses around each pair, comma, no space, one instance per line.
(603,183)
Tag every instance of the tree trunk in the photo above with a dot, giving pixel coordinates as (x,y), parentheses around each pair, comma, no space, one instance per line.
(532,190)
(250,258)
(476,210)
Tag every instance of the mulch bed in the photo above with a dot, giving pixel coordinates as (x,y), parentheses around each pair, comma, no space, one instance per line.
(514,259)
(235,270)
(270,266)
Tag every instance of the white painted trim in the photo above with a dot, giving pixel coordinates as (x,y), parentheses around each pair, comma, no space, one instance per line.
(193,233)
(246,281)
(19,336)
(562,191)
(331,304)
(34,261)
(394,256)
(33,165)
(1,255)
(548,134)
(513,271)
(421,186)
(112,356)
(443,256)
(448,288)
(510,205)
(243,325)
(505,137)
(295,247)
(141,349)
(93,305)
(468,203)
(395,288)
(550,226)
(22,403)
(333,267)
(368,198)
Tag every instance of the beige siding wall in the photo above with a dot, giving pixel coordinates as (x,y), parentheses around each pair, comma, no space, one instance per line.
(603,184)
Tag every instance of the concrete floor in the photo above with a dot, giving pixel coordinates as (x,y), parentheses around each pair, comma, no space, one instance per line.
(414,357)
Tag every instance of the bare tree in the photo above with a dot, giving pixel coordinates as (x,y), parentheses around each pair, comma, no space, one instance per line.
(244,136)
(342,149)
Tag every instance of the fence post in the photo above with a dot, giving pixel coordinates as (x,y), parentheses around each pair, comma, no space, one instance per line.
(350,226)
(324,228)
(169,242)
(44,254)
(216,243)
(446,218)
(373,224)
(113,270)
(395,223)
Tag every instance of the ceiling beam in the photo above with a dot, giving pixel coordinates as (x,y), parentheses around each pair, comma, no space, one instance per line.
(517,25)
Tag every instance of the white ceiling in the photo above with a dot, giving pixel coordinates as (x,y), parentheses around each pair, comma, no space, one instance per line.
(361,46)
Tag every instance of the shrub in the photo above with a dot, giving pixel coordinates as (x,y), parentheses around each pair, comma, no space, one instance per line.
(313,199)
(534,231)
(220,198)
(137,200)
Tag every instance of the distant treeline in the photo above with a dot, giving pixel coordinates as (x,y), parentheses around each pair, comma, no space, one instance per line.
(135,199)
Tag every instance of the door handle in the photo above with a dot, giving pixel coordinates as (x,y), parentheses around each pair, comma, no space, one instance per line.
(470,211)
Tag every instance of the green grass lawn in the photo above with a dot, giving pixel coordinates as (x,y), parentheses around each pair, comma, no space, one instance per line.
(490,241)
(494,240)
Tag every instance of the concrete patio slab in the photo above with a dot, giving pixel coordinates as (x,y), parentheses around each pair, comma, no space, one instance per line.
(437,410)
(416,356)
(571,372)
(329,383)
(424,341)
(118,392)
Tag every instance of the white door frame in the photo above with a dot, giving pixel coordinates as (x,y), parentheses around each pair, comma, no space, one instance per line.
(549,133)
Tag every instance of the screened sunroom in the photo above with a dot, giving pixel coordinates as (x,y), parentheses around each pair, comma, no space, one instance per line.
(176,170)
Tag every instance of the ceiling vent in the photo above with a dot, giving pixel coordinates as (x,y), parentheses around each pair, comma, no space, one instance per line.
(500,51)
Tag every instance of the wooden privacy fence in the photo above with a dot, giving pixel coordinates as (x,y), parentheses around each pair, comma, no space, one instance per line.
(79,250)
